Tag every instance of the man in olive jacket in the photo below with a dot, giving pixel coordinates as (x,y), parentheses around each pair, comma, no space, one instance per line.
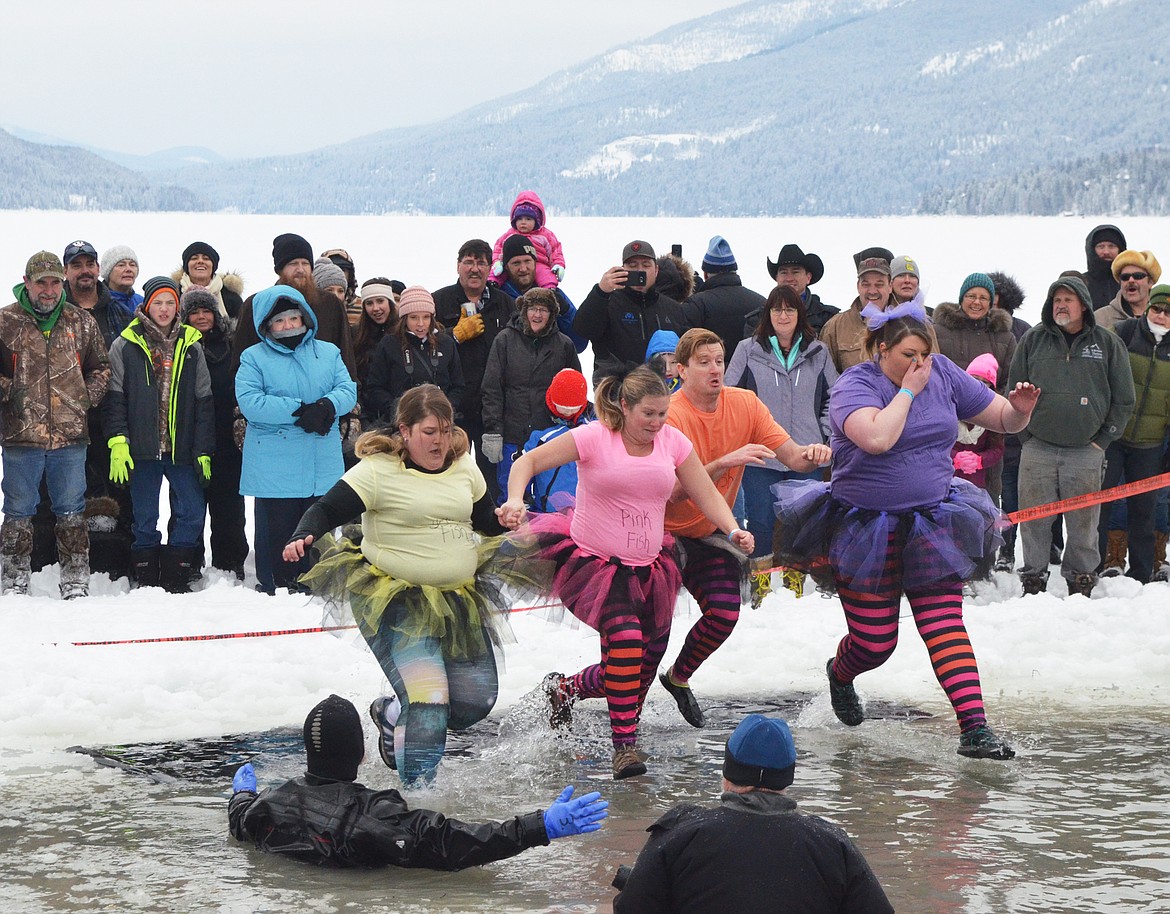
(1086,398)
(53,369)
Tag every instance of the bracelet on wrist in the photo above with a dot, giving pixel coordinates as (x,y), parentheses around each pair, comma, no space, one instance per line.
(908,392)
(732,532)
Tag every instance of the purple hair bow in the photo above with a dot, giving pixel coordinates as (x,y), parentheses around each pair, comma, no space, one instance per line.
(876,318)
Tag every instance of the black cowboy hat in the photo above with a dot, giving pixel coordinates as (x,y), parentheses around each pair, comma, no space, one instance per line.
(792,254)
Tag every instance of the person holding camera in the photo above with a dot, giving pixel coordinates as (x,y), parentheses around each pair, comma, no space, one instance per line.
(604,318)
(753,852)
(326,817)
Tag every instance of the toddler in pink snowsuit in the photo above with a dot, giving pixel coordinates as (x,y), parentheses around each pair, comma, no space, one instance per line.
(528,220)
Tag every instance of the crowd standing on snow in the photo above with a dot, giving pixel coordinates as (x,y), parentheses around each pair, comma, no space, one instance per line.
(456,427)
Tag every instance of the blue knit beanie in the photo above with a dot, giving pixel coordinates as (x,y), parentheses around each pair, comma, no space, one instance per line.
(760,753)
(719,258)
(977,279)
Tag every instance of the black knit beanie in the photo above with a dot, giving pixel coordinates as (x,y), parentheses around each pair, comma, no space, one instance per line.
(334,741)
(289,247)
(201,247)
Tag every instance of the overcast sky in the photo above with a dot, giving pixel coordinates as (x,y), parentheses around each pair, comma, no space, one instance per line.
(256,77)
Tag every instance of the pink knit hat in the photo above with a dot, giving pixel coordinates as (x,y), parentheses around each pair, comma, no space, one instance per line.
(415,300)
(985,368)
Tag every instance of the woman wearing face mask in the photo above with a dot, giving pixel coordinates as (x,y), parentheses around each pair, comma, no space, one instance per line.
(415,586)
(1140,452)
(417,351)
(291,388)
(894,520)
(160,418)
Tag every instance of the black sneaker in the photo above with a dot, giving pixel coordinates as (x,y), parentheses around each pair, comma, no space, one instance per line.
(560,701)
(981,742)
(687,706)
(846,704)
(378,708)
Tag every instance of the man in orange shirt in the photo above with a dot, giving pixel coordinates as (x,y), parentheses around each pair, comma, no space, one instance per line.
(729,428)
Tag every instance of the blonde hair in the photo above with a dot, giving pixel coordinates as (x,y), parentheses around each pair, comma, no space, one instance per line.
(634,387)
(414,406)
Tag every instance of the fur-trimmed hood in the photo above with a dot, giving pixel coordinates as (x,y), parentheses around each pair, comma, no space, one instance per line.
(233,282)
(1009,292)
(951,316)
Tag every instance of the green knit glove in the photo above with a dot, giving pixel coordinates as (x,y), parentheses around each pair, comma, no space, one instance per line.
(203,461)
(120,461)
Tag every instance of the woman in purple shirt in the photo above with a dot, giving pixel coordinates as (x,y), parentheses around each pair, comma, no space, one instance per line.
(894,519)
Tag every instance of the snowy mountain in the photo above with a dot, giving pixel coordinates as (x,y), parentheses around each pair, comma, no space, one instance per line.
(811,107)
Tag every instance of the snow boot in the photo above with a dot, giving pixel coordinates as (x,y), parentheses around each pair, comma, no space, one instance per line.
(177,568)
(627,763)
(16,540)
(1034,583)
(144,566)
(1116,550)
(1082,584)
(73,551)
(1006,560)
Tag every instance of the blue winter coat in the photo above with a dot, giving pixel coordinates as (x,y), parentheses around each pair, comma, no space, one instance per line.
(282,460)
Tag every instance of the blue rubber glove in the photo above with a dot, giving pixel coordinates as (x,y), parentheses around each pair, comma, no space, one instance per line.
(568,816)
(245,779)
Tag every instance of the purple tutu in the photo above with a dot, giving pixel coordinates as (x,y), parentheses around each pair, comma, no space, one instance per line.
(829,539)
(544,552)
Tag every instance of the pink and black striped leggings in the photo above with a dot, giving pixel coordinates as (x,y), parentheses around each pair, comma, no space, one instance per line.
(629,659)
(938,612)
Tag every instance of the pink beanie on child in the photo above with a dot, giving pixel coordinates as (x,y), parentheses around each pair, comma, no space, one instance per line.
(985,368)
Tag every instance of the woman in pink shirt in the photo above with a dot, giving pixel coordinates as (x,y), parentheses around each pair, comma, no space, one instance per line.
(609,559)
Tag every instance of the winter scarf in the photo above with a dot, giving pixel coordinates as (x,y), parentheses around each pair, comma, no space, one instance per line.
(161,343)
(46,321)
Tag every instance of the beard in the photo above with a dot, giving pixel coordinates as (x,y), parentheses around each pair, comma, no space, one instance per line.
(307,287)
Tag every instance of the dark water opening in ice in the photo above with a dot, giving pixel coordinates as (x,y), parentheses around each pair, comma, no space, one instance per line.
(1078,822)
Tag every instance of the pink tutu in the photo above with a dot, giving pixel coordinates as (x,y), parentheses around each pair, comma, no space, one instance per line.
(543,552)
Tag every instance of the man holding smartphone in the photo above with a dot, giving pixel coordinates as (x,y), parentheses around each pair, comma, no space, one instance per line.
(623,310)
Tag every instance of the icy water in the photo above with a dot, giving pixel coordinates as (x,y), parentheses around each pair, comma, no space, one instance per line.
(1078,822)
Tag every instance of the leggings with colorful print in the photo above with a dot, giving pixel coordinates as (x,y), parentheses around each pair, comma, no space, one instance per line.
(938,612)
(437,694)
(629,660)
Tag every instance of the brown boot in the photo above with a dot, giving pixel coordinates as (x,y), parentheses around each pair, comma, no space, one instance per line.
(1116,550)
(626,763)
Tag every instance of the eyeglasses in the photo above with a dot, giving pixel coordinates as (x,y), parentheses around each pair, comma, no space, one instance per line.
(783,310)
(1124,277)
(473,262)
(1158,309)
(537,309)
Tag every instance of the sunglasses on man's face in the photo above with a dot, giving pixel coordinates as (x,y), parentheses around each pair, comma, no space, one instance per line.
(1125,277)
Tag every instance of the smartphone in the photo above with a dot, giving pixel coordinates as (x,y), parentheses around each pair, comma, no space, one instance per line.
(676,250)
(635,277)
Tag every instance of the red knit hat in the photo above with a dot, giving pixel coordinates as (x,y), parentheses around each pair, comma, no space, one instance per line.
(568,395)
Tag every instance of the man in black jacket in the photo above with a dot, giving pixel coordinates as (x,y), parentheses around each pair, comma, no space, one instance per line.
(619,318)
(327,818)
(755,851)
(475,313)
(724,302)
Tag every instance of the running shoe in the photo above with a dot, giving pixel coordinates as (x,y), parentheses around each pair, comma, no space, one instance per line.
(687,706)
(982,742)
(385,711)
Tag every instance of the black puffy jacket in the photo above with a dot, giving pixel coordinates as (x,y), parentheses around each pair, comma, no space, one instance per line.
(344,824)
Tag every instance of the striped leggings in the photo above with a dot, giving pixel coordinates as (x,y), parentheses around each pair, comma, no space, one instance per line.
(629,662)
(712,576)
(938,613)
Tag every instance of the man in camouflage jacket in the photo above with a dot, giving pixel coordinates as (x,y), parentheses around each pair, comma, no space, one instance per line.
(53,368)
